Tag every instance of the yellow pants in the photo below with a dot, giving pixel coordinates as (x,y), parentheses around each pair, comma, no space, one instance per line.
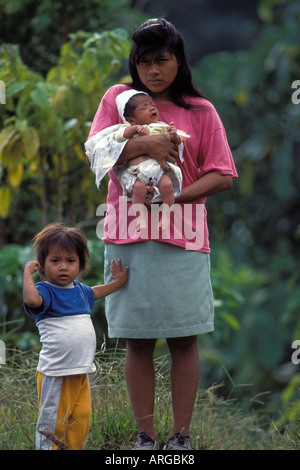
(64,411)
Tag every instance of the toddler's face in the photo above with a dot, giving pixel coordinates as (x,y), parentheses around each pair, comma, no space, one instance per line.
(61,266)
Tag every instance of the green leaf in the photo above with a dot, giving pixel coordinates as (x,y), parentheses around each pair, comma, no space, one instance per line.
(16,88)
(5,136)
(31,142)
(40,96)
(5,197)
(230,320)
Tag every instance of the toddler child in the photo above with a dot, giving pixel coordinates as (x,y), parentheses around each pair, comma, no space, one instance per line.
(61,306)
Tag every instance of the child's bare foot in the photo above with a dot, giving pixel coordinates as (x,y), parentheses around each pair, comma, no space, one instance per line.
(141,226)
(164,223)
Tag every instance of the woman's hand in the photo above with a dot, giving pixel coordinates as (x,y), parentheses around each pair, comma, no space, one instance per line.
(156,146)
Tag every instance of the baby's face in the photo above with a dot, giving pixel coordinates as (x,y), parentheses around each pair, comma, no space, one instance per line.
(145,111)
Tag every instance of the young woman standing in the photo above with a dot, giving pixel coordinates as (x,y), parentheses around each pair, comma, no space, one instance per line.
(168,293)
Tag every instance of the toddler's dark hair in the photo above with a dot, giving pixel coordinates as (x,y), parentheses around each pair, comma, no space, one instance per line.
(67,238)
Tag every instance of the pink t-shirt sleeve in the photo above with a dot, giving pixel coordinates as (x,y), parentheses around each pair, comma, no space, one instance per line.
(107,113)
(215,154)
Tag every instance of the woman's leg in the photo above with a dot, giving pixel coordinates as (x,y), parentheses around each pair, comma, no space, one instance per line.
(185,374)
(140,378)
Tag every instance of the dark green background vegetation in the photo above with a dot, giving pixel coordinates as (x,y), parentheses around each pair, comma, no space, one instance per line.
(57,59)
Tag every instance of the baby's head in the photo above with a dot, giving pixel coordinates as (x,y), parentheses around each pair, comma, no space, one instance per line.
(62,238)
(137,107)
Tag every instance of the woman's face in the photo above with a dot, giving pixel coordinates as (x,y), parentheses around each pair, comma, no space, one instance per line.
(157,73)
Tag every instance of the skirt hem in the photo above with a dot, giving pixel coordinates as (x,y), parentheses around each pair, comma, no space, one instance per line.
(176,333)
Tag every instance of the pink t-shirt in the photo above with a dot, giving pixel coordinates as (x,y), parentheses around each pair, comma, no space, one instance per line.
(205,151)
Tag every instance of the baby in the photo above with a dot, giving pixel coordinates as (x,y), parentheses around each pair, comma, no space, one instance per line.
(141,117)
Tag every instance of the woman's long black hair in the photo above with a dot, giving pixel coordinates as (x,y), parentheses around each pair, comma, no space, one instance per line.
(155,36)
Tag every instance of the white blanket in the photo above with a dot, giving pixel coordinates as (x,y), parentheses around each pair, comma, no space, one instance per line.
(103,152)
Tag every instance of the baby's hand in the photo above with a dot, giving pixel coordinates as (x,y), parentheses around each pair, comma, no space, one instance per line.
(141,130)
(32,267)
(172,131)
(117,273)
(171,127)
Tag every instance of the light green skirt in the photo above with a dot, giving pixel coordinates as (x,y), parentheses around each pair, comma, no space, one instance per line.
(168,293)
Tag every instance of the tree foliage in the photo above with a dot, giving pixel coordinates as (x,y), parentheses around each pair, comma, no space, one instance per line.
(46,122)
(259,219)
(252,90)
(41,27)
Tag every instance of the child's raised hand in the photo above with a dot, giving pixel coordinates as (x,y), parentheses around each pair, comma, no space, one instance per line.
(117,273)
(30,293)
(32,267)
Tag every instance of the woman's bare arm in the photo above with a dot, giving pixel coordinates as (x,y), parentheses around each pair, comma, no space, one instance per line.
(210,184)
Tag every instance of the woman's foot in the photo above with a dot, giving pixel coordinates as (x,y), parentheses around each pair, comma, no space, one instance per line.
(145,442)
(178,442)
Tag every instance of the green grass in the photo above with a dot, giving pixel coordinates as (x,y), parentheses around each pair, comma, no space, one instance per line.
(217,424)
